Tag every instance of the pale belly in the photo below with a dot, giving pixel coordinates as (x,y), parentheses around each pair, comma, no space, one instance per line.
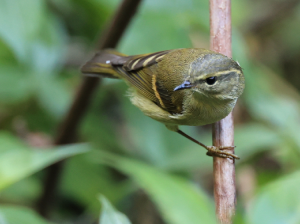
(196,115)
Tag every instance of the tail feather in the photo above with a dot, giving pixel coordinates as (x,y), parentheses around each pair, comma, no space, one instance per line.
(100,64)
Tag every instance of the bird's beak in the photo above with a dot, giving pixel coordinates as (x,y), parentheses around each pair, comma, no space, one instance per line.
(184,85)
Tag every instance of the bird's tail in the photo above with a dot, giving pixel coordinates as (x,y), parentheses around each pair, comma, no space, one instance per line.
(101,64)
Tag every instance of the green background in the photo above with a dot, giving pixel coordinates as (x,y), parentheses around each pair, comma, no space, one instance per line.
(126,167)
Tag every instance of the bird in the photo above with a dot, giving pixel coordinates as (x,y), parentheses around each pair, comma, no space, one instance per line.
(187,86)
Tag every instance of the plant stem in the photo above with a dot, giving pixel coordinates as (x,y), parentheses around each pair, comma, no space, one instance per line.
(223,131)
(68,128)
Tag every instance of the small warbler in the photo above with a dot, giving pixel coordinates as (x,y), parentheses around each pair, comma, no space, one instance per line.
(176,87)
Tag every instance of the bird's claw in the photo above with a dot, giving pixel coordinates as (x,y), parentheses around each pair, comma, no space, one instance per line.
(218,151)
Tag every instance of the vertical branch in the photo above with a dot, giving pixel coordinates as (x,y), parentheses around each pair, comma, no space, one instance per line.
(223,131)
(68,128)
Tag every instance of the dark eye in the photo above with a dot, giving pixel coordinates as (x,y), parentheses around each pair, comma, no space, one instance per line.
(211,80)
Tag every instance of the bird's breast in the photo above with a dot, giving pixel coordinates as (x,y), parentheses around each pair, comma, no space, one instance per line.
(195,112)
(205,111)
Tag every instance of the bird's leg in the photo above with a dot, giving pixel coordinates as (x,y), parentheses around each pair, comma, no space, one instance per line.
(212,150)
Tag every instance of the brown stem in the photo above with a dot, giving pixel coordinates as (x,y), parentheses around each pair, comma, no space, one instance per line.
(68,128)
(224,169)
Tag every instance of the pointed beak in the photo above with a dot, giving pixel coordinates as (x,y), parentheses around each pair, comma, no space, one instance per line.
(184,85)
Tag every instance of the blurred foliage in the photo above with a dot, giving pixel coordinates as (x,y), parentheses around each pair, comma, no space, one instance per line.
(16,214)
(148,173)
(110,215)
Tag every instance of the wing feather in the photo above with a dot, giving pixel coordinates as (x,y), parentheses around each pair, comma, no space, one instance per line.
(135,70)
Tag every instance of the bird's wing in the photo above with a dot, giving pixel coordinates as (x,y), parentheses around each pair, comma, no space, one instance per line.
(137,71)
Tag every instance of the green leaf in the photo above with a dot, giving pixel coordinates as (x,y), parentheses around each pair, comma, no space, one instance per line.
(278,202)
(253,138)
(16,85)
(48,49)
(19,23)
(33,35)
(161,24)
(110,215)
(24,192)
(91,179)
(53,95)
(178,200)
(19,215)
(18,161)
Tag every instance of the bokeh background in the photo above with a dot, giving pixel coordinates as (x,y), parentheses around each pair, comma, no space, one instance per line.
(124,161)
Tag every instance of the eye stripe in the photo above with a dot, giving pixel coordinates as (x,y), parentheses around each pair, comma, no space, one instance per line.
(219,74)
(230,73)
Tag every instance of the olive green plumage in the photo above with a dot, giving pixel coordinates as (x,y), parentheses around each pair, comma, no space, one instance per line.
(176,87)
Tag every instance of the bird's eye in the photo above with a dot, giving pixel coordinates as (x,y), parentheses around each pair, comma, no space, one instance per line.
(211,80)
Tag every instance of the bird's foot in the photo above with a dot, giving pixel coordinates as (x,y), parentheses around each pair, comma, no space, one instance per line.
(219,152)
